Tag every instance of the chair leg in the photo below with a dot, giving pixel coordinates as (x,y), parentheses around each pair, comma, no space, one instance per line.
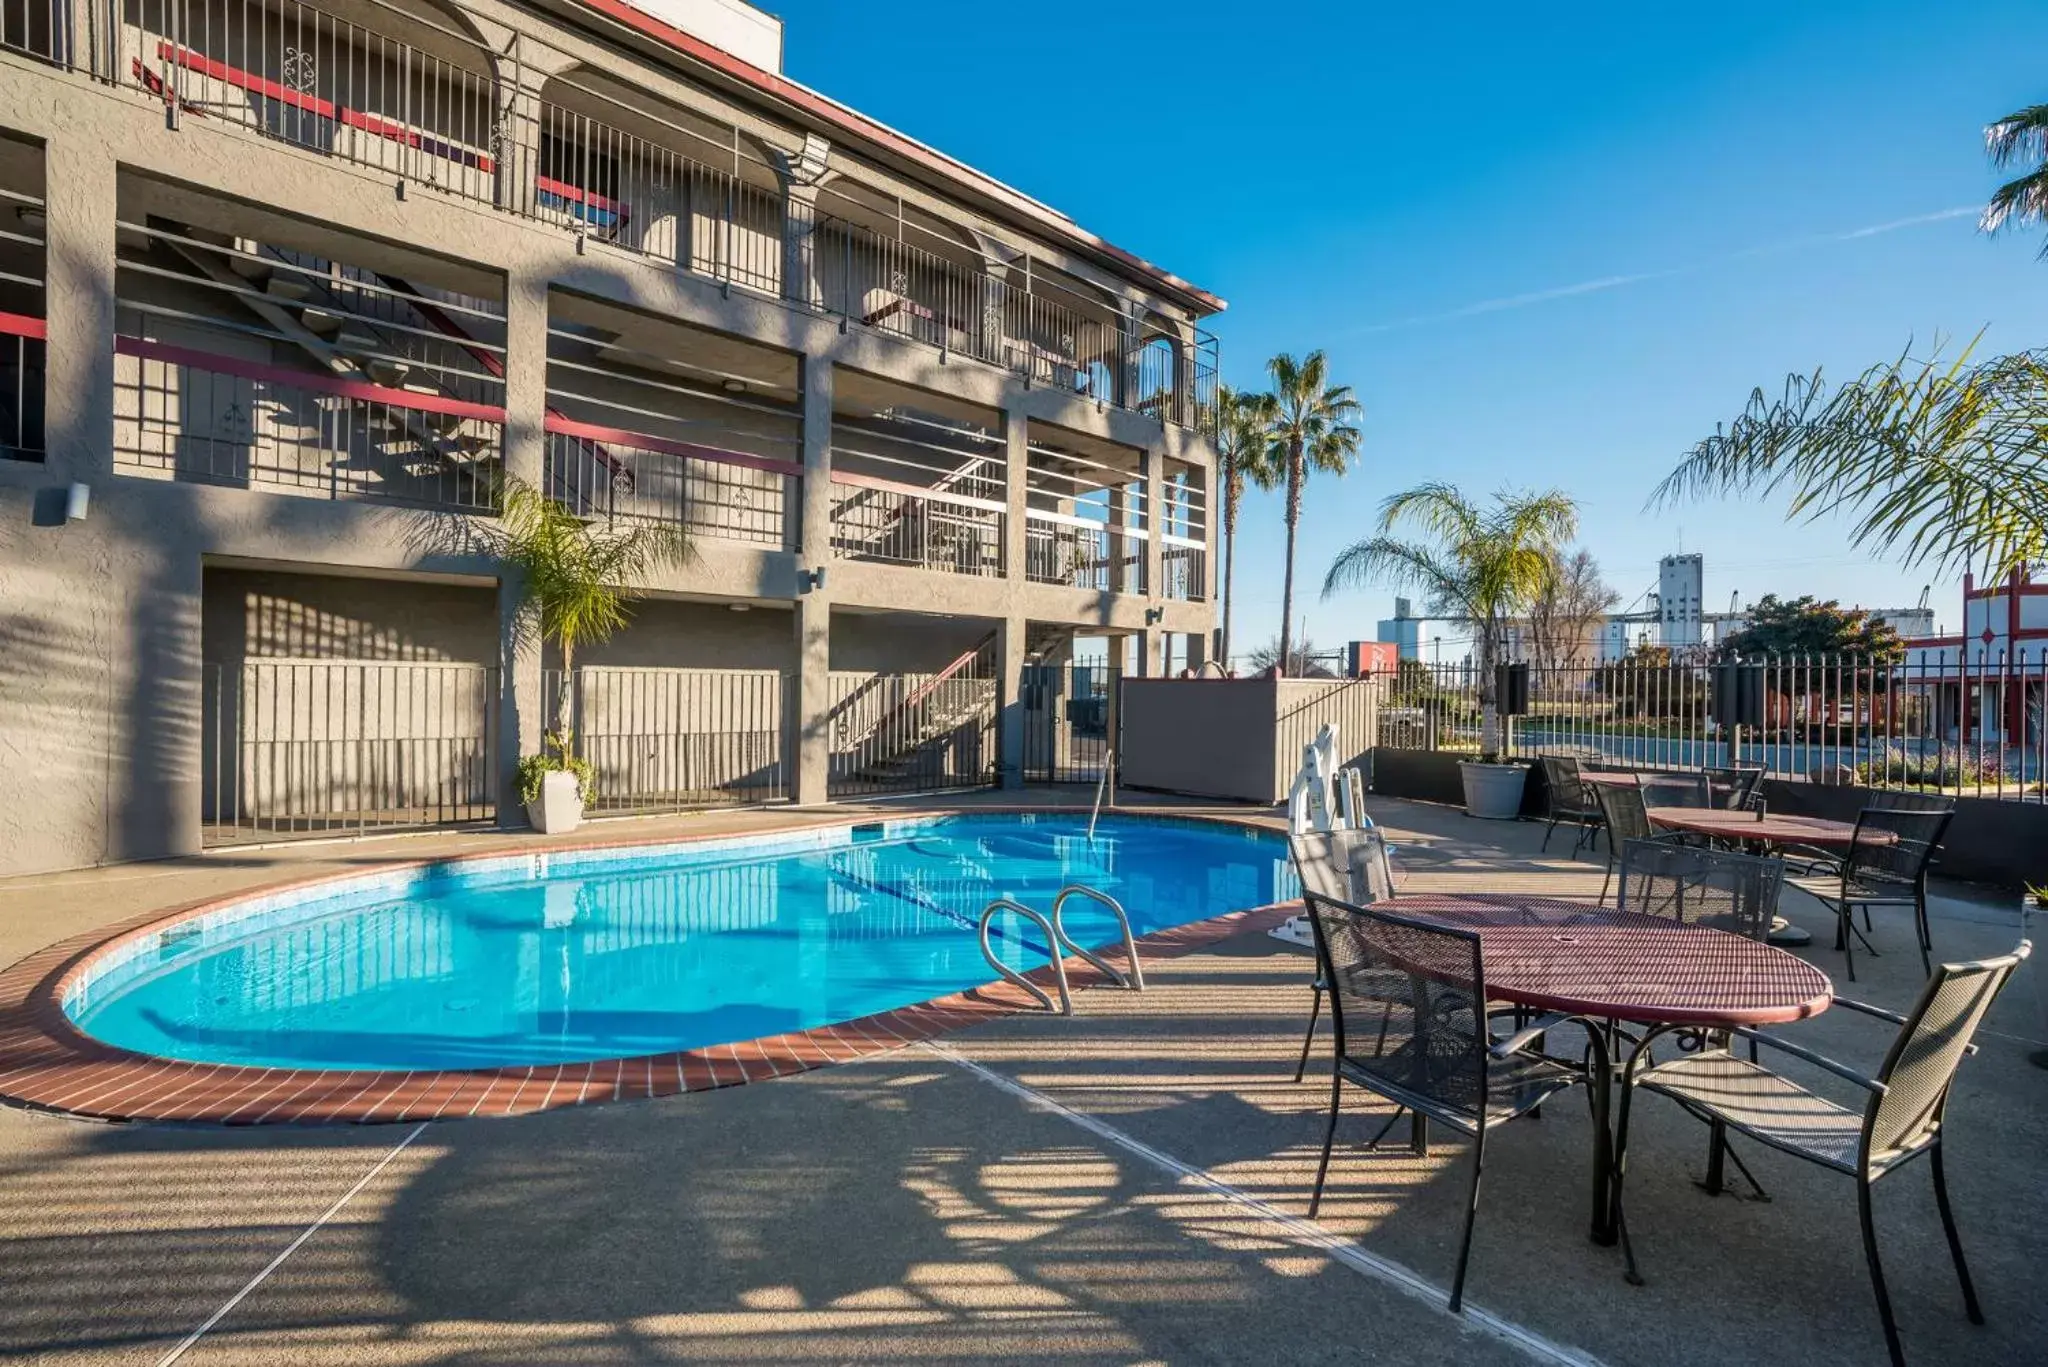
(1471,1213)
(1314,1011)
(1845,935)
(1544,848)
(1610,871)
(1717,1156)
(1315,1201)
(1955,1242)
(1926,940)
(1884,1300)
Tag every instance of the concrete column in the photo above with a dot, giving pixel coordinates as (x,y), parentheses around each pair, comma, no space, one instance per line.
(803,173)
(1113,723)
(1010,634)
(78,404)
(1016,472)
(525,710)
(1182,409)
(1130,331)
(1153,464)
(810,740)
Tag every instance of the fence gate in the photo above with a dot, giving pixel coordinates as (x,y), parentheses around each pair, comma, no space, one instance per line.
(314,747)
(1066,722)
(671,740)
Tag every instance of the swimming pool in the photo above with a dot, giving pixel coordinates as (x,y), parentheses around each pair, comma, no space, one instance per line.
(616,953)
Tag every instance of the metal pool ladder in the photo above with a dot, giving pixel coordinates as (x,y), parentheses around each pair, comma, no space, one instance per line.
(1063,944)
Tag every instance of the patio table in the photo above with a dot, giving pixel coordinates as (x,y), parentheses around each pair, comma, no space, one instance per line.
(1549,954)
(1762,836)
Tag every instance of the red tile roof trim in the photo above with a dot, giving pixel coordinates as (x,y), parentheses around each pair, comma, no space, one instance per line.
(838,115)
(47,1063)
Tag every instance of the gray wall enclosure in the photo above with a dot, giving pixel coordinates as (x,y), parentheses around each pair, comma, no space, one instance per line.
(1237,739)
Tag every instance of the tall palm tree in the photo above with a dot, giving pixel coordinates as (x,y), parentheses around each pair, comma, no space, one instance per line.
(1245,456)
(2020,138)
(1312,427)
(1480,566)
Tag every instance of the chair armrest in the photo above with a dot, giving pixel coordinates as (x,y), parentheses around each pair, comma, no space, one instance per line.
(1520,1040)
(1894,1017)
(1867,1009)
(1821,1061)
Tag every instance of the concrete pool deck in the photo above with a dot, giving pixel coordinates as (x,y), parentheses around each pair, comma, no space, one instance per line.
(1124,1186)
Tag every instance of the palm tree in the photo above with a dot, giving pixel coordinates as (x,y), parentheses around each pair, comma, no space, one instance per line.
(2020,138)
(575,577)
(1245,455)
(1942,463)
(1311,428)
(1480,566)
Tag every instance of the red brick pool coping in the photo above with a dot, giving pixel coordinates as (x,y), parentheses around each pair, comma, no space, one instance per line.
(47,1063)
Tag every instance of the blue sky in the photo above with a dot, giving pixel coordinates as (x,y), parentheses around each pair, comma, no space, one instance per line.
(1683,202)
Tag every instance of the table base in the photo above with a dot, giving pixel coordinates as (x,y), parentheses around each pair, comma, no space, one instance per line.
(1786,935)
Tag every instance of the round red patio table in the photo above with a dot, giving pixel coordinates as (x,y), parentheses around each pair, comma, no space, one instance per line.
(1552,955)
(1771,829)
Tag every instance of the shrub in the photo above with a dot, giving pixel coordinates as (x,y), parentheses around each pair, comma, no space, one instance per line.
(1900,767)
(554,757)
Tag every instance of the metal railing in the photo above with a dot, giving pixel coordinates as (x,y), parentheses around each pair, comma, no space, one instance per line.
(899,524)
(626,443)
(325,747)
(665,740)
(421,109)
(1083,554)
(419,97)
(616,187)
(1966,722)
(359,386)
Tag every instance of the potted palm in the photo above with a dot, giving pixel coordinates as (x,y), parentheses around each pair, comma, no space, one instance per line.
(1482,567)
(574,578)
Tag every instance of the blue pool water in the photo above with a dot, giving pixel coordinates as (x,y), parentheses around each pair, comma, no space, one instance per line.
(615,953)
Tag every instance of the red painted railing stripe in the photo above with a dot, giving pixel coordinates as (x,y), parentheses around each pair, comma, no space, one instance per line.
(617,436)
(301,379)
(21,325)
(577,194)
(313,104)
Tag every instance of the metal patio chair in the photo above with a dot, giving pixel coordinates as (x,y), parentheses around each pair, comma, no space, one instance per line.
(1570,799)
(1408,1003)
(1880,872)
(1344,866)
(1903,1115)
(1627,819)
(1675,790)
(1732,788)
(1737,893)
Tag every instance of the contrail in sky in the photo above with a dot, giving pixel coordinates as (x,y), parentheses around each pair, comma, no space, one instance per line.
(1615,282)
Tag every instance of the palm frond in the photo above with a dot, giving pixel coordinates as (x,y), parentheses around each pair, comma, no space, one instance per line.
(2020,136)
(1942,464)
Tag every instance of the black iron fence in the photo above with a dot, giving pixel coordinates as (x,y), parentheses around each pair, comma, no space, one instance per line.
(1971,723)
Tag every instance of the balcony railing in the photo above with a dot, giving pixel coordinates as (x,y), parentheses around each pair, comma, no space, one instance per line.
(899,524)
(420,98)
(1080,554)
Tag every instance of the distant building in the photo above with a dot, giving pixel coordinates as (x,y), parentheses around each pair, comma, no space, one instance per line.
(1403,630)
(1986,681)
(1681,585)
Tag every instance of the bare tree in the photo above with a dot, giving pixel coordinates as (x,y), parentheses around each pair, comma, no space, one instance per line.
(1564,618)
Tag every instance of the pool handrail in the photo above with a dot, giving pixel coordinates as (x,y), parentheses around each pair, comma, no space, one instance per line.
(1053,942)
(1108,763)
(1135,979)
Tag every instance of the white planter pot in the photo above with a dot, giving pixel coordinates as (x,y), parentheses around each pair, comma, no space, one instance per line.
(559,808)
(1493,792)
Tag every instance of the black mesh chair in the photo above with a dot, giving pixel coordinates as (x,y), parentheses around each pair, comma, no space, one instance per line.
(1344,866)
(1737,893)
(1733,789)
(1408,1002)
(1628,819)
(1675,790)
(1886,867)
(1902,1116)
(1571,799)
